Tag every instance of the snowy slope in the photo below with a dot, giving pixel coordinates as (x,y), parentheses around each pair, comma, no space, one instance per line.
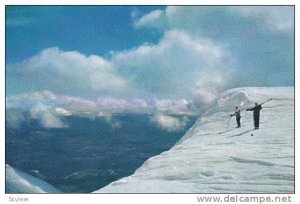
(20,182)
(211,158)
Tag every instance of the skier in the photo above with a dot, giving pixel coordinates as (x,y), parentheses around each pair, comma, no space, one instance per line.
(256,113)
(237,115)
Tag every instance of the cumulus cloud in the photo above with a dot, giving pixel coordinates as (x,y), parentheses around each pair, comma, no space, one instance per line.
(175,107)
(208,89)
(169,123)
(275,18)
(203,51)
(66,72)
(178,64)
(47,118)
(197,18)
(175,65)
(155,19)
(259,38)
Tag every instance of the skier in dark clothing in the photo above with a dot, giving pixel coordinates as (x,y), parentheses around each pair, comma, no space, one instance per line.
(256,113)
(237,115)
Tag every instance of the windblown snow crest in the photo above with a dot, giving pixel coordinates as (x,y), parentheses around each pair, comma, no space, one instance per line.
(214,158)
(21,182)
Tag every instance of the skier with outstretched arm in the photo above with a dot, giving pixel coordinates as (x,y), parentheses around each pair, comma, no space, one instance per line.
(256,113)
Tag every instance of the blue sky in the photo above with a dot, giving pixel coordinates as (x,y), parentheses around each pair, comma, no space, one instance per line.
(187,53)
(87,29)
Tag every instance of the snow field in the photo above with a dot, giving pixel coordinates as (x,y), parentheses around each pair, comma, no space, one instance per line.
(211,158)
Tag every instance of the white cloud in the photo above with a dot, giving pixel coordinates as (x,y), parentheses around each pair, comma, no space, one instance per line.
(49,108)
(208,89)
(169,123)
(197,57)
(175,107)
(75,104)
(197,18)
(176,64)
(120,105)
(155,19)
(246,33)
(113,122)
(205,95)
(66,72)
(62,111)
(275,18)
(25,100)
(47,118)
(63,105)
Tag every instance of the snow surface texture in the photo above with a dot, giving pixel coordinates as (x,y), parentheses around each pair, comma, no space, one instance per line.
(212,158)
(20,182)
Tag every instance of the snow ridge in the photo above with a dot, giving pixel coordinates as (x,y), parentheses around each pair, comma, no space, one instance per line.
(21,182)
(211,158)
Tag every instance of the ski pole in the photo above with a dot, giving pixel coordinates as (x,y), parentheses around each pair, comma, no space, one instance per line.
(266,101)
(228,122)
